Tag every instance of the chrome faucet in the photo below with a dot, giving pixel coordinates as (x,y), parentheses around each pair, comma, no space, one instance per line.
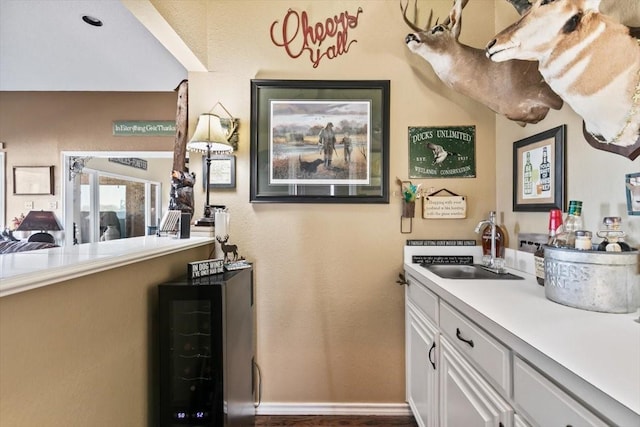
(492,264)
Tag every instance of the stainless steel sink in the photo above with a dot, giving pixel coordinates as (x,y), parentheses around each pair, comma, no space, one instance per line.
(468,272)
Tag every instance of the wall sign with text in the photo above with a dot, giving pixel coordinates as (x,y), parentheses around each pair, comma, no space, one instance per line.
(327,38)
(442,152)
(144,128)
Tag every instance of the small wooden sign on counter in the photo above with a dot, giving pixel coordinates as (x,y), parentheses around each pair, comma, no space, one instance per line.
(205,268)
(441,242)
(442,259)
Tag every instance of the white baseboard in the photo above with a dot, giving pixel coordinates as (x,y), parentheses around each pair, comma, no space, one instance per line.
(287,408)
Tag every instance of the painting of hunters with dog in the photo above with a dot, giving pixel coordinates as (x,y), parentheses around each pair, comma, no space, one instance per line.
(320,142)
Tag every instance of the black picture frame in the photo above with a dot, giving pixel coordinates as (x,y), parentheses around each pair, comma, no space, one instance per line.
(632,187)
(288,163)
(544,188)
(222,172)
(33,180)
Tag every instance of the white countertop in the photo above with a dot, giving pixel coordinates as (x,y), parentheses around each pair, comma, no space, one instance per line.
(22,271)
(601,349)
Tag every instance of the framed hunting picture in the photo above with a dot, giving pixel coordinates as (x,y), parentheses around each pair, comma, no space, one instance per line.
(319,141)
(442,152)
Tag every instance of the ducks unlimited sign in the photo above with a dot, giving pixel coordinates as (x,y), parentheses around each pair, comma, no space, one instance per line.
(442,152)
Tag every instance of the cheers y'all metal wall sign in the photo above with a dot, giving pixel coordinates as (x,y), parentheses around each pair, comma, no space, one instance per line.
(442,152)
(326,38)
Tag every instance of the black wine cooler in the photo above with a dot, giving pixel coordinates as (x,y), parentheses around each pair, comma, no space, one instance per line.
(207,351)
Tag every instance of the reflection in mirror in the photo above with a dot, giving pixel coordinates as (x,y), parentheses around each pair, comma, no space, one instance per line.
(114,195)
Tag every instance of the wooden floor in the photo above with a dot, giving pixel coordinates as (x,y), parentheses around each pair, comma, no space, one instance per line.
(334,421)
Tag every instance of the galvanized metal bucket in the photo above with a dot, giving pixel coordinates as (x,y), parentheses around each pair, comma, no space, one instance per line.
(592,280)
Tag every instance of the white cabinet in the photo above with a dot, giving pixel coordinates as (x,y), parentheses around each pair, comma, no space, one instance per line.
(518,421)
(422,379)
(443,389)
(459,374)
(544,403)
(421,353)
(466,399)
(477,346)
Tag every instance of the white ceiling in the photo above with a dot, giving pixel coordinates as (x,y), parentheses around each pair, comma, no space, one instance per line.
(45,46)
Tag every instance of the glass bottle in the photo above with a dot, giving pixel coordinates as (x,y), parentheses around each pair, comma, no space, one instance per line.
(486,239)
(545,171)
(555,225)
(572,223)
(528,175)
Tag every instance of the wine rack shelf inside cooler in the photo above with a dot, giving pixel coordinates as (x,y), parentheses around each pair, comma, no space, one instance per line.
(191,349)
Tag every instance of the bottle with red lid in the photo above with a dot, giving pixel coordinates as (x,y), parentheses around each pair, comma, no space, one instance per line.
(555,228)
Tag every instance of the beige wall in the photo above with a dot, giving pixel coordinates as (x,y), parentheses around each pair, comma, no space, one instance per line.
(84,352)
(329,315)
(36,126)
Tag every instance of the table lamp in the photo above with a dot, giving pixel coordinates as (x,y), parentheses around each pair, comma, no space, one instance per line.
(210,138)
(41,221)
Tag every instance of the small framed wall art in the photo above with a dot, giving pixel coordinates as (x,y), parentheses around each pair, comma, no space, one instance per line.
(632,183)
(539,171)
(222,172)
(33,180)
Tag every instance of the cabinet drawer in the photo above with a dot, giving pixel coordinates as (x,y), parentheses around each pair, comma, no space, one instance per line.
(544,403)
(423,298)
(479,346)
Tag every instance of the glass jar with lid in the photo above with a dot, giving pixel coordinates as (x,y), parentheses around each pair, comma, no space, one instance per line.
(612,235)
(583,240)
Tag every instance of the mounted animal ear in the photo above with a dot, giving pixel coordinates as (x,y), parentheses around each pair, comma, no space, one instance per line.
(592,5)
(455,18)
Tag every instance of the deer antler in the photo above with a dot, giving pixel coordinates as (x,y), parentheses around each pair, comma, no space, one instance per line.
(413,26)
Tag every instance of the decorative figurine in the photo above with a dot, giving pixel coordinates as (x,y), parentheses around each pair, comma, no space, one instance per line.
(228,249)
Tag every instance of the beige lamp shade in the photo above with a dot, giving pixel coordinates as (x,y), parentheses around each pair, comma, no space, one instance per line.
(209,135)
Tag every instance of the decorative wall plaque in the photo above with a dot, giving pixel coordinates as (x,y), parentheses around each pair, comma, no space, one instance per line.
(442,152)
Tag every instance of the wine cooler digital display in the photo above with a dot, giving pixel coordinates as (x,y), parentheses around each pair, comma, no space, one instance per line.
(192,371)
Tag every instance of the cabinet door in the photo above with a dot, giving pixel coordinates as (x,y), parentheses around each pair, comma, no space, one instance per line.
(518,421)
(466,399)
(546,404)
(422,379)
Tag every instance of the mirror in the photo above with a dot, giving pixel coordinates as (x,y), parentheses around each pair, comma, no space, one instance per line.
(113,195)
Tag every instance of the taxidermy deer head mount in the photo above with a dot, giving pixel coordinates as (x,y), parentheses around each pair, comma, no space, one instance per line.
(589,60)
(514,89)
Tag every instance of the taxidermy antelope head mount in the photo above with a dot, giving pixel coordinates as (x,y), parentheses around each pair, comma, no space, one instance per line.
(514,89)
(589,60)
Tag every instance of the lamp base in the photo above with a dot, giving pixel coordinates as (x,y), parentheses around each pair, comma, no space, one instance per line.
(208,219)
(205,222)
